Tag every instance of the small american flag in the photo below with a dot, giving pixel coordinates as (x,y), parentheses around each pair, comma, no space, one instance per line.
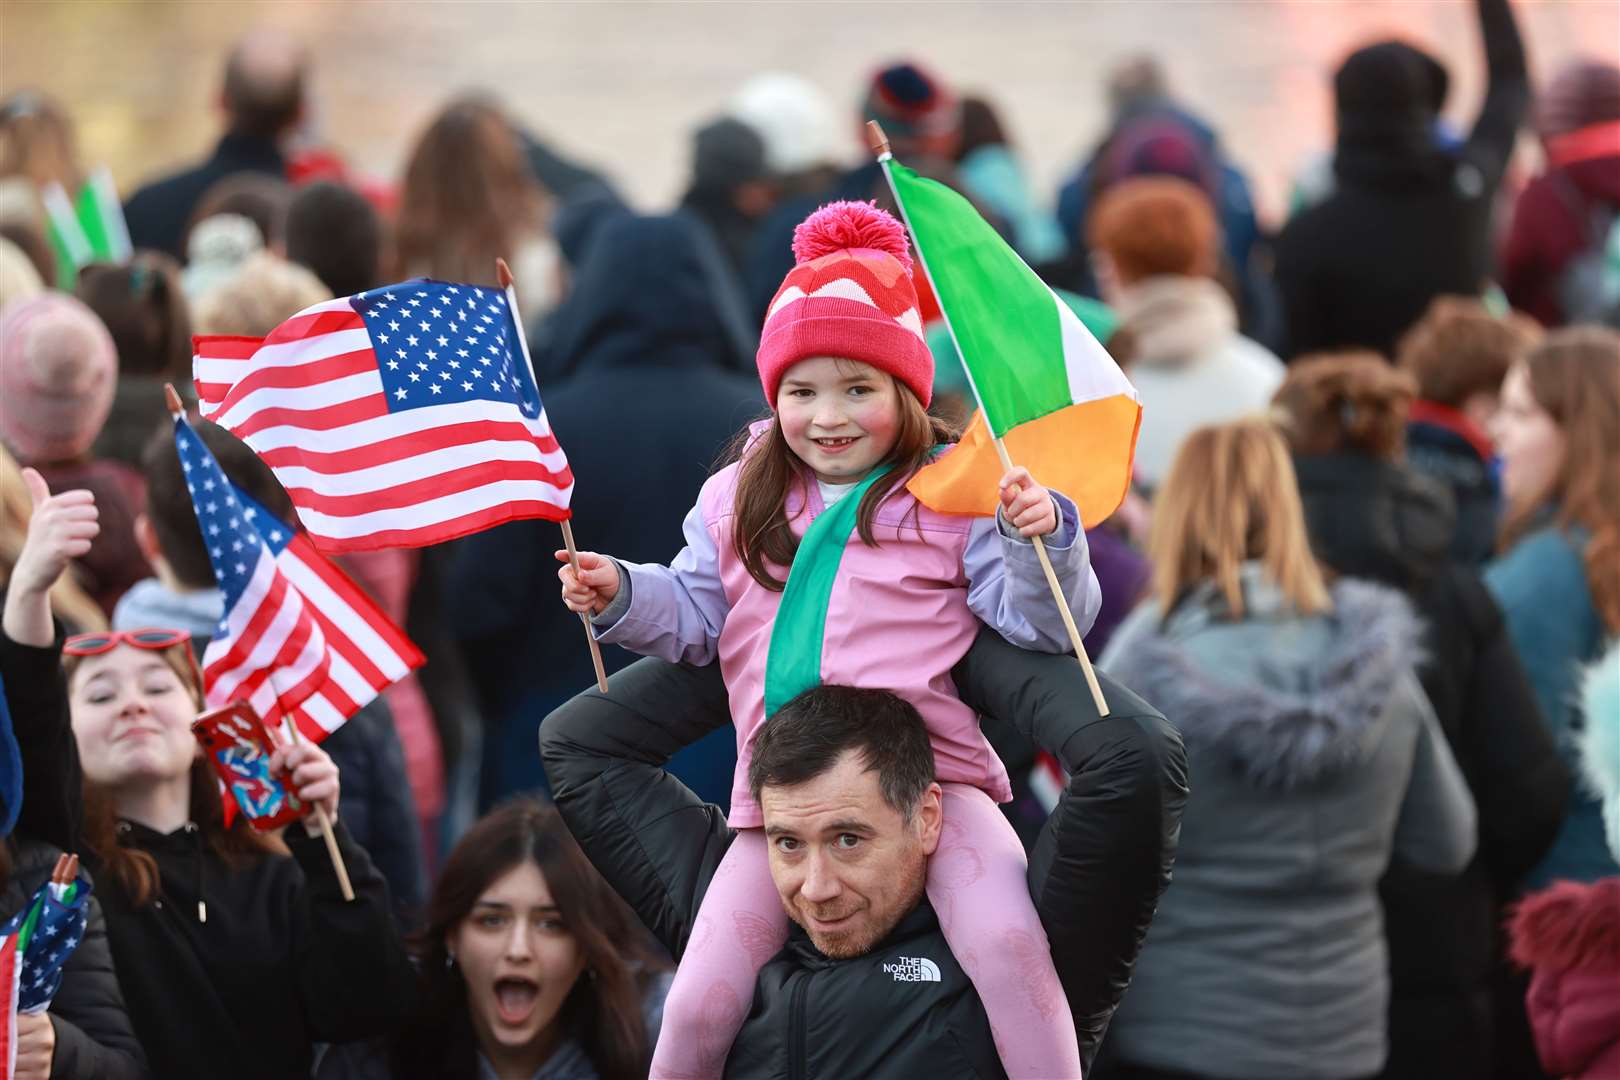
(298,639)
(47,931)
(398,417)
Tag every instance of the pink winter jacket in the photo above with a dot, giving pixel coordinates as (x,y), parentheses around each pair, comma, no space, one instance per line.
(1569,936)
(899,618)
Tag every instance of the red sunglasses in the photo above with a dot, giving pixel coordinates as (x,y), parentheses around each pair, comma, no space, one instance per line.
(147,638)
(151,637)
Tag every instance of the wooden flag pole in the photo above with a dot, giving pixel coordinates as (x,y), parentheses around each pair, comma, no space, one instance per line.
(880,149)
(503,274)
(322,818)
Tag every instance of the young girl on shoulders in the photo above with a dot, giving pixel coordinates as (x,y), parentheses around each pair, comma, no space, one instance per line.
(883,592)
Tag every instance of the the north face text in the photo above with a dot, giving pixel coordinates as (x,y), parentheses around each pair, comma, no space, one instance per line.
(913,969)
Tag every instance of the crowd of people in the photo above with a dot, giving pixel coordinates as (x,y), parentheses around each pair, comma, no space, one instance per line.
(1352,811)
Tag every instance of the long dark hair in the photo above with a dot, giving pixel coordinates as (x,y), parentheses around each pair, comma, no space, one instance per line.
(603,1011)
(762,534)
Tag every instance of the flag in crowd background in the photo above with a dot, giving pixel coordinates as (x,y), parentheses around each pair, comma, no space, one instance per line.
(1043,382)
(399,417)
(45,932)
(298,639)
(9,976)
(87,228)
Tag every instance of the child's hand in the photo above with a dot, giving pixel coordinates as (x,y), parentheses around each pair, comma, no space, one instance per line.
(1026,505)
(59,531)
(594,587)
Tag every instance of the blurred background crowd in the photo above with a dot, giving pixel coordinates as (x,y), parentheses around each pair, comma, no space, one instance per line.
(1405,257)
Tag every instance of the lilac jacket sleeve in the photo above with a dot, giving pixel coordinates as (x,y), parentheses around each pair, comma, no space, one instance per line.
(673,612)
(1007,588)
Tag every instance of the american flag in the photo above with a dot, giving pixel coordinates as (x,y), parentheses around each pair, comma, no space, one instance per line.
(46,932)
(298,639)
(398,417)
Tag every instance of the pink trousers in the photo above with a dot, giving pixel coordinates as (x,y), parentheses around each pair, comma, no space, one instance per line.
(976,883)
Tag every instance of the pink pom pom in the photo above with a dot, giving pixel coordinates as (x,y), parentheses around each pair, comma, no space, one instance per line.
(842,225)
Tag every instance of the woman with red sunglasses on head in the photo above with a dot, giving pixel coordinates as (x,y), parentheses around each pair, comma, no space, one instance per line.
(236,951)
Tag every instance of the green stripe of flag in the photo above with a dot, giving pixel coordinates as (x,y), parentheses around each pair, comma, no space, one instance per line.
(1025,351)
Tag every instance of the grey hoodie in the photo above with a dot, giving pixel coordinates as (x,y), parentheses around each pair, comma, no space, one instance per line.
(1313,756)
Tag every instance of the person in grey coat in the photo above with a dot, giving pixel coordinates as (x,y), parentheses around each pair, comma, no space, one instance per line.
(1313,755)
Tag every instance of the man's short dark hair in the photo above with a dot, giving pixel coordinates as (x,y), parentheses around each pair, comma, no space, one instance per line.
(334,231)
(809,734)
(264,85)
(168,503)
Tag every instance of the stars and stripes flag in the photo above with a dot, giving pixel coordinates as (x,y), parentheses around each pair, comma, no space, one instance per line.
(9,985)
(298,639)
(46,932)
(398,417)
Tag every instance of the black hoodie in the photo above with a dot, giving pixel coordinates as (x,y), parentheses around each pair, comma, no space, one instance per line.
(1408,220)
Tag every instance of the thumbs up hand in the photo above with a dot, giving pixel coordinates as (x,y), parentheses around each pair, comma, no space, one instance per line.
(60,529)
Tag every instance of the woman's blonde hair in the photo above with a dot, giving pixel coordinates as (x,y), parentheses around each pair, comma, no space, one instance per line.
(1231,497)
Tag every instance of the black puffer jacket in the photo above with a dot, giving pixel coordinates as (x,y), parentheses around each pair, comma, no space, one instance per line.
(1096,872)
(94,1039)
(1389,523)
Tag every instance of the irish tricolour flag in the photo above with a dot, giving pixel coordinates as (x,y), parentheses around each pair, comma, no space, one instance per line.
(1044,384)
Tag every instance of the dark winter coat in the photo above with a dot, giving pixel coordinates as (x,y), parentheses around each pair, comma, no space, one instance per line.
(1095,874)
(1552,224)
(1569,935)
(1314,757)
(1443,443)
(1377,520)
(648,392)
(94,1039)
(160,211)
(1407,220)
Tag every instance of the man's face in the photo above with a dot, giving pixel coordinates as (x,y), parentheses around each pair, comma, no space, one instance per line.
(848,865)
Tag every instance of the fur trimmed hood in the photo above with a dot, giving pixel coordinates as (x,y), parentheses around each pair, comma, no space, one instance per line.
(1570,926)
(1286,717)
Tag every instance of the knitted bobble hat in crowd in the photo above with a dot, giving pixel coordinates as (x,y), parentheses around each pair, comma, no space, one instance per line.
(850,296)
(58,370)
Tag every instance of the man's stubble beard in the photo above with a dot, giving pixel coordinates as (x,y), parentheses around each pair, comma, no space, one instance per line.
(861,941)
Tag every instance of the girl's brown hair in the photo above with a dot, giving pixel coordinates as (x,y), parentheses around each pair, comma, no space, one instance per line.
(1347,401)
(145,311)
(469,196)
(1575,376)
(770,470)
(1231,497)
(133,871)
(602,1011)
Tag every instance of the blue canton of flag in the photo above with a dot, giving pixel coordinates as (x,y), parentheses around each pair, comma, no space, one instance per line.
(438,343)
(52,924)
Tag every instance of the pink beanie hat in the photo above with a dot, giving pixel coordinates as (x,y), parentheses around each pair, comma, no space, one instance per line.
(851,297)
(58,370)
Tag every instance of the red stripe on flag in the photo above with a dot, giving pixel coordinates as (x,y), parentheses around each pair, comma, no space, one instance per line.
(313,325)
(414,492)
(323,419)
(301,376)
(440,531)
(404,446)
(224,347)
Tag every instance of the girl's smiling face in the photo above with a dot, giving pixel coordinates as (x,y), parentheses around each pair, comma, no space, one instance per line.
(132,717)
(840,417)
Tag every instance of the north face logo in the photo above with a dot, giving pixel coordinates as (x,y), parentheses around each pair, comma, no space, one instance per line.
(913,969)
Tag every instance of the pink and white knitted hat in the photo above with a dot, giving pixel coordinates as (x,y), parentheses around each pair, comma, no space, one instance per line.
(850,296)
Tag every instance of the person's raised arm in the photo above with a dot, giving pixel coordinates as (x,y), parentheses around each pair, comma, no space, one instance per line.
(59,530)
(1507,94)
(653,840)
(1104,856)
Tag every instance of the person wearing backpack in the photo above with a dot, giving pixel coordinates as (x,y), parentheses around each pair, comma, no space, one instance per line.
(1561,259)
